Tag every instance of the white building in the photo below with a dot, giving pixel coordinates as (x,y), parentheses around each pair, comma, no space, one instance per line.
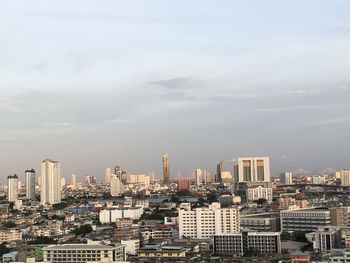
(253,191)
(345,177)
(198,176)
(286,178)
(319,179)
(74,253)
(74,180)
(141,179)
(12,188)
(30,184)
(253,169)
(50,184)
(117,187)
(107,176)
(131,246)
(206,222)
(111,215)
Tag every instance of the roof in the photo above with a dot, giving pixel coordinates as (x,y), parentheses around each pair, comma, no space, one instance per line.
(80,247)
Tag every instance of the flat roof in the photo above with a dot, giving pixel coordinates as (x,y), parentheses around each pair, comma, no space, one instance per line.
(80,247)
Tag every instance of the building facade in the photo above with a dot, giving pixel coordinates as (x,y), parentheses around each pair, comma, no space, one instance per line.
(253,169)
(166,169)
(30,184)
(50,186)
(12,188)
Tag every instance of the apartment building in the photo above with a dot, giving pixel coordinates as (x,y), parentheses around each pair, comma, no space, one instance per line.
(325,239)
(112,214)
(238,243)
(309,219)
(82,253)
(265,222)
(206,222)
(252,191)
(9,235)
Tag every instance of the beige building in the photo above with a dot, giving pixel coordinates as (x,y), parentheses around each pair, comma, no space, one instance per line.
(12,188)
(9,235)
(50,185)
(253,169)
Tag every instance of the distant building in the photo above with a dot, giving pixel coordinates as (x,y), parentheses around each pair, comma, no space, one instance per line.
(253,169)
(264,222)
(319,179)
(198,176)
(166,169)
(30,184)
(340,216)
(89,180)
(286,178)
(219,170)
(325,239)
(253,191)
(345,177)
(183,184)
(9,235)
(50,185)
(74,180)
(111,215)
(239,243)
(107,176)
(206,222)
(139,179)
(12,188)
(117,187)
(10,257)
(73,253)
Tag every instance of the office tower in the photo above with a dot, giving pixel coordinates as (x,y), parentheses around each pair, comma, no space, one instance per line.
(107,176)
(50,186)
(253,169)
(198,176)
(166,169)
(183,184)
(286,178)
(74,180)
(12,188)
(219,170)
(206,222)
(30,184)
(89,179)
(345,177)
(140,179)
(117,186)
(319,179)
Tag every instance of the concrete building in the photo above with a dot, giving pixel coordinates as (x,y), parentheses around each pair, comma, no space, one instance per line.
(239,243)
(319,179)
(198,177)
(74,180)
(265,222)
(286,178)
(325,239)
(253,169)
(10,257)
(82,253)
(252,191)
(140,179)
(340,216)
(309,219)
(9,235)
(30,184)
(12,188)
(219,170)
(107,176)
(183,184)
(166,169)
(206,222)
(158,253)
(50,185)
(117,187)
(345,177)
(287,202)
(111,215)
(131,246)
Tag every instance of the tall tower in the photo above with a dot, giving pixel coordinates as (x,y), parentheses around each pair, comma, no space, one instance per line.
(50,186)
(166,169)
(198,176)
(117,186)
(107,176)
(74,180)
(219,170)
(30,184)
(12,188)
(253,169)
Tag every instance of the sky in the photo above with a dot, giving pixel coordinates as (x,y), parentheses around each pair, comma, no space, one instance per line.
(94,83)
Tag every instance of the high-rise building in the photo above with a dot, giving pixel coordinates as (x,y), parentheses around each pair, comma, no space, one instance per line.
(50,186)
(253,169)
(207,222)
(117,186)
(286,178)
(140,179)
(345,177)
(74,180)
(198,176)
(89,179)
(30,184)
(12,188)
(219,170)
(107,176)
(166,169)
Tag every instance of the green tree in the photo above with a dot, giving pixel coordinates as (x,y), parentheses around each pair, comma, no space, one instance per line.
(285,235)
(9,224)
(42,240)
(3,249)
(212,198)
(82,230)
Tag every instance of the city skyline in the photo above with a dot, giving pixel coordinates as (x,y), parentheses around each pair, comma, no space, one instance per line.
(107,82)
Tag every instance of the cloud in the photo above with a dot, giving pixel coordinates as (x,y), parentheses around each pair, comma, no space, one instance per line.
(307,92)
(58,124)
(292,108)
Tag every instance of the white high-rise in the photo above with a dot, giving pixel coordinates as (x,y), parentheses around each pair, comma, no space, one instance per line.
(107,176)
(286,178)
(253,169)
(207,222)
(30,184)
(50,185)
(12,188)
(74,180)
(345,177)
(198,176)
(117,187)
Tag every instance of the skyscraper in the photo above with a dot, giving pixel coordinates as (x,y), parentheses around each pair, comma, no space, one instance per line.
(286,178)
(30,184)
(166,169)
(50,186)
(198,176)
(219,170)
(12,188)
(107,176)
(117,186)
(345,177)
(74,180)
(253,169)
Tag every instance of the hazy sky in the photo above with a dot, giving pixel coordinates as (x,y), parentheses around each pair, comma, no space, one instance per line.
(94,83)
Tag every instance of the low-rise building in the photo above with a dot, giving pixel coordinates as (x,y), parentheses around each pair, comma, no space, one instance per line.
(9,235)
